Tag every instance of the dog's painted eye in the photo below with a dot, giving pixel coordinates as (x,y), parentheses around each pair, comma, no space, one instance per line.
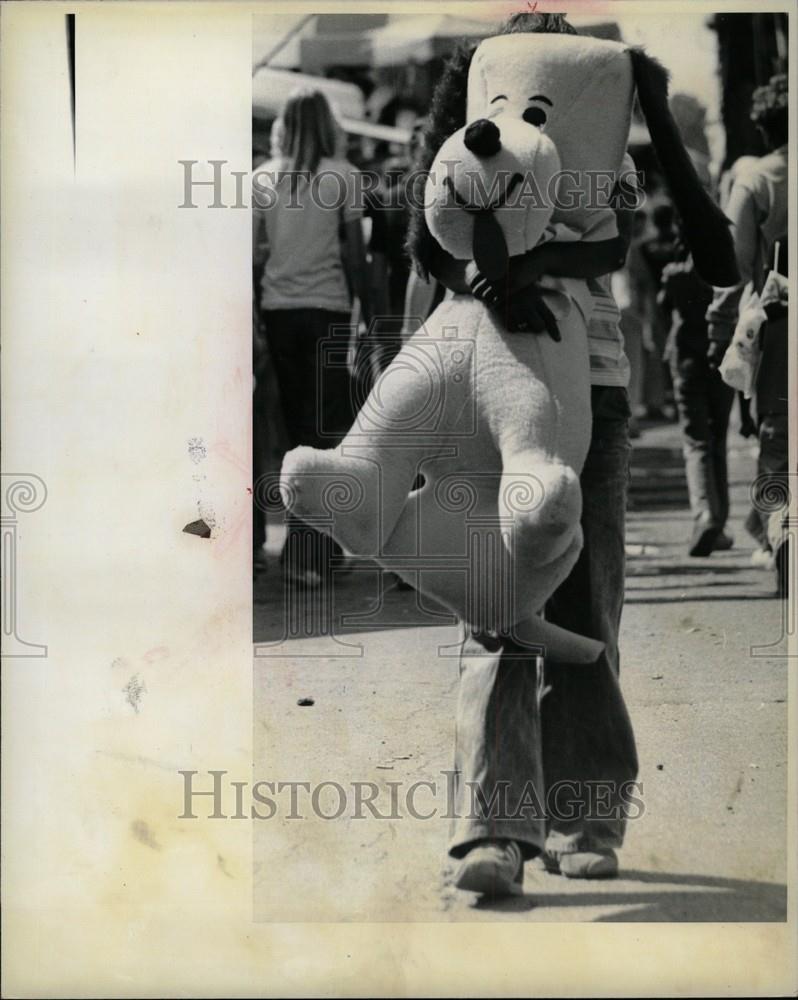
(534,116)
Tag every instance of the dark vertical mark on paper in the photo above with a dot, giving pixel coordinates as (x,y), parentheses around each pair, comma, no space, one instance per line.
(70,34)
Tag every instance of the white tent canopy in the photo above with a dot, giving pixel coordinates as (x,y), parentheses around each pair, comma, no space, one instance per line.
(406,38)
(271,88)
(419,38)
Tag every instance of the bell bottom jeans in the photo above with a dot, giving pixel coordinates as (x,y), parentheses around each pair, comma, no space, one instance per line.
(545,755)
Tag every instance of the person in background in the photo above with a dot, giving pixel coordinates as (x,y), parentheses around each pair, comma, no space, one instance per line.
(728,177)
(268,433)
(659,250)
(704,403)
(401,113)
(401,299)
(664,246)
(259,440)
(389,214)
(725,184)
(633,291)
(307,230)
(766,520)
(365,345)
(422,294)
(757,210)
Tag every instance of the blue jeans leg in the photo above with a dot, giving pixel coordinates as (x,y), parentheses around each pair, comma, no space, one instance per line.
(499,789)
(704,402)
(588,747)
(515,747)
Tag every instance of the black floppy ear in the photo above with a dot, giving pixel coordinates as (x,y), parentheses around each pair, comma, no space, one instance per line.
(706,228)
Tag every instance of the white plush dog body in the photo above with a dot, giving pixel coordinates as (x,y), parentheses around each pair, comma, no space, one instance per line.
(498,424)
(495,424)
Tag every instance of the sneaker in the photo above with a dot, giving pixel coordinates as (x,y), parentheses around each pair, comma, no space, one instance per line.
(753,526)
(702,542)
(747,427)
(723,542)
(599,863)
(493,868)
(762,557)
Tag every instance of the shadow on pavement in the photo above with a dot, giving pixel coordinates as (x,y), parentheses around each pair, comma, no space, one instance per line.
(700,597)
(680,569)
(657,479)
(693,898)
(365,599)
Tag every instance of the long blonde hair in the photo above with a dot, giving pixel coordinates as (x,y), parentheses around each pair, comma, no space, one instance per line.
(309,130)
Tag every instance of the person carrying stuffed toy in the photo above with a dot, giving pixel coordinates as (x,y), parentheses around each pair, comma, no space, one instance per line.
(517,522)
(580,732)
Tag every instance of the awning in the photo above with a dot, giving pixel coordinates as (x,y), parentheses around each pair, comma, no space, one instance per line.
(411,38)
(271,88)
(320,51)
(419,38)
(386,133)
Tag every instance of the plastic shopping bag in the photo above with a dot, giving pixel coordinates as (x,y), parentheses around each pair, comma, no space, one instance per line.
(740,361)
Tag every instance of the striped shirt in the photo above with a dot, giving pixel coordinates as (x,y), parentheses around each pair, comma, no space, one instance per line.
(608,362)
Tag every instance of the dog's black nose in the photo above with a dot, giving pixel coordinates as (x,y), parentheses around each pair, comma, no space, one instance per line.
(483,138)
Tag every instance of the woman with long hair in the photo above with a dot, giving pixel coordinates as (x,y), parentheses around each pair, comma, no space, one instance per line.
(309,244)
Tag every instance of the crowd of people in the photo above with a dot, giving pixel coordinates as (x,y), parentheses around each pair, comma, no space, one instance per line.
(677,330)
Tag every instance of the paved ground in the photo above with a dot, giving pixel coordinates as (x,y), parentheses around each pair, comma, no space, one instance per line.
(710,719)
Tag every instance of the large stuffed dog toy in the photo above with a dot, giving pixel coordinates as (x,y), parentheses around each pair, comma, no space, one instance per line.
(461,472)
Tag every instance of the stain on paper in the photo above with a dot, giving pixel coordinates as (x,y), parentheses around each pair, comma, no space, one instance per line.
(133,691)
(197,450)
(142,832)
